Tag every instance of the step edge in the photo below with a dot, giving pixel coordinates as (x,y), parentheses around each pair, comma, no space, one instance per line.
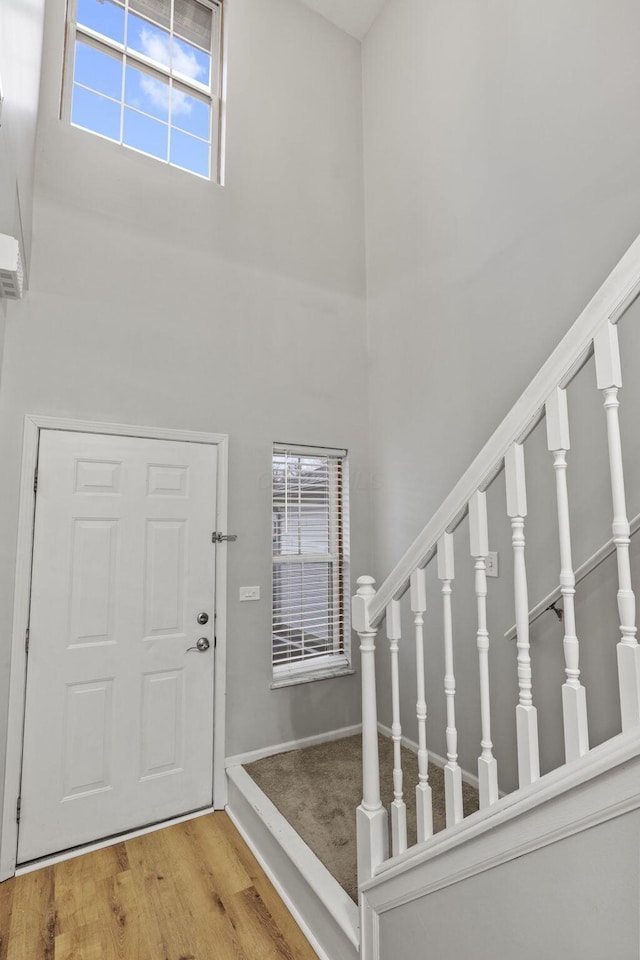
(339,904)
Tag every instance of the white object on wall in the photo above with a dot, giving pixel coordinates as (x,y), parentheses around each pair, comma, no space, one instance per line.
(11,271)
(249,593)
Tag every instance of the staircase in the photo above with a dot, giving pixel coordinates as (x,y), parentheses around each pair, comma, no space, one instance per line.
(552,867)
(550,864)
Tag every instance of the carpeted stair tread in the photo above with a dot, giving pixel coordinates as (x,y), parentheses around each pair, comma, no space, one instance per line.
(317,790)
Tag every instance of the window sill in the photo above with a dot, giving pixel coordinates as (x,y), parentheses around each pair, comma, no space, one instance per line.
(308,676)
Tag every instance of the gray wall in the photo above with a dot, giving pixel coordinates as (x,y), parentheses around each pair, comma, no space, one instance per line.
(501,155)
(158,298)
(21,26)
(501,149)
(570,899)
(596,610)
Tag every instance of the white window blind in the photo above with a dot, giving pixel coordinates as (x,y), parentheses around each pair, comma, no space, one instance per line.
(310,558)
(191,20)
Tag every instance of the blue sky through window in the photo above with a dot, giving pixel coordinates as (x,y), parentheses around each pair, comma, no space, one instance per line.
(98,70)
(146,134)
(191,62)
(143,37)
(105,17)
(189,153)
(190,113)
(147,93)
(125,99)
(96,113)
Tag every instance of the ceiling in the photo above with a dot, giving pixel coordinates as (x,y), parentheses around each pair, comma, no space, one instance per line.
(352,16)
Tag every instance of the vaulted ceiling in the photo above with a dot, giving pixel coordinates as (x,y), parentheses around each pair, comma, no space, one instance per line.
(352,16)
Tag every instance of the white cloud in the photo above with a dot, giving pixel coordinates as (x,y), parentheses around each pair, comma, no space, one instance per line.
(156,46)
(185,62)
(181,103)
(156,91)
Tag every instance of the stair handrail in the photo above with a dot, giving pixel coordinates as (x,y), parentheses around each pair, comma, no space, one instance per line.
(608,304)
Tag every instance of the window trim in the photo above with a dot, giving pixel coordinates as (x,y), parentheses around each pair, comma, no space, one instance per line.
(211,93)
(329,665)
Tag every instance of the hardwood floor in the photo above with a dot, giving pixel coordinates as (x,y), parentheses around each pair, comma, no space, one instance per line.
(193,891)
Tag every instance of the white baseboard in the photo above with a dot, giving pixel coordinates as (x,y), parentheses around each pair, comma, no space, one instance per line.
(324,912)
(240,759)
(439,761)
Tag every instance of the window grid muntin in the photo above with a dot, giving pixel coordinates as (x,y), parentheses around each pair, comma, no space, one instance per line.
(102,41)
(208,93)
(125,5)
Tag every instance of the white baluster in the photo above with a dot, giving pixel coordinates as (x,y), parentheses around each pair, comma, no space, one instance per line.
(371,817)
(424,802)
(479,548)
(574,702)
(609,379)
(398,807)
(452,772)
(526,713)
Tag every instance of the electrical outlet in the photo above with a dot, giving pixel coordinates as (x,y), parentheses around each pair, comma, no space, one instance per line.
(249,593)
(492,564)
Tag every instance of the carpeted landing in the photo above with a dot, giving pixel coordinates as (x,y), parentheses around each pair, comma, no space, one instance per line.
(317,790)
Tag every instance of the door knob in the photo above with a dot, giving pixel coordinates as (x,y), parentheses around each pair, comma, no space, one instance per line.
(203,618)
(202,645)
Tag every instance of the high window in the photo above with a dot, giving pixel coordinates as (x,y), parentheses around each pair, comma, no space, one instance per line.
(310,561)
(146,74)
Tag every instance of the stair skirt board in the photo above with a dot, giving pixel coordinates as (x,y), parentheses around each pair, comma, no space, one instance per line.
(600,787)
(324,912)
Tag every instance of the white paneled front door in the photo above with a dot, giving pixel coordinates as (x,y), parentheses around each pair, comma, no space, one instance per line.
(119,711)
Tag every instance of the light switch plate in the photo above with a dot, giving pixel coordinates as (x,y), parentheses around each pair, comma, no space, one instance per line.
(492,564)
(249,593)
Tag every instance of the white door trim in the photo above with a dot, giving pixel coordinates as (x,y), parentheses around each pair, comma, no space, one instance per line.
(33,424)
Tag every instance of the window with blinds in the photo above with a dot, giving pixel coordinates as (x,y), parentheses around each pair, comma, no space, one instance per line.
(310,559)
(146,74)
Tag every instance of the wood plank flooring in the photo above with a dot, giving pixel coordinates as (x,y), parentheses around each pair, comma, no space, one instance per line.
(193,891)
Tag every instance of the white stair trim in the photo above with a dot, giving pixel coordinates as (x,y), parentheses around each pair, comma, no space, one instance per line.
(325,913)
(598,787)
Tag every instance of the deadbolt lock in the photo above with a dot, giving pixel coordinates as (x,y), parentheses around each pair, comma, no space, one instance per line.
(203,618)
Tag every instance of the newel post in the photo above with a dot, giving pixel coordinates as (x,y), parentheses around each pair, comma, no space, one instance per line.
(371,817)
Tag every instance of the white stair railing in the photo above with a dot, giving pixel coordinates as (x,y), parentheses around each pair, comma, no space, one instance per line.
(574,701)
(479,548)
(595,331)
(609,378)
(526,713)
(424,800)
(372,835)
(398,807)
(452,771)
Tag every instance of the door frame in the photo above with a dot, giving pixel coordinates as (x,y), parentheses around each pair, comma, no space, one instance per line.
(33,424)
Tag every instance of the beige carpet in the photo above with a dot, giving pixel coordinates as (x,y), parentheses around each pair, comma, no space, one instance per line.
(318,789)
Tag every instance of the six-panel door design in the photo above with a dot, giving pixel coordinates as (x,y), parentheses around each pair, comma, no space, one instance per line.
(119,711)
